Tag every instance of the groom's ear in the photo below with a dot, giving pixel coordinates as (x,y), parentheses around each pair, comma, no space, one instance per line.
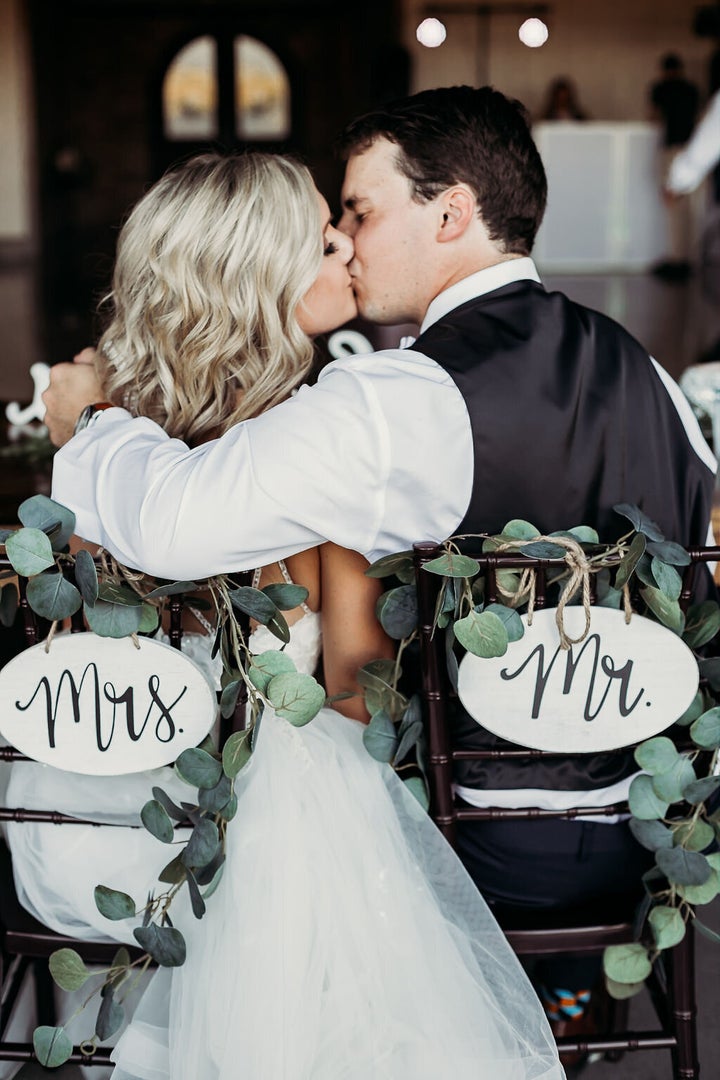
(458,209)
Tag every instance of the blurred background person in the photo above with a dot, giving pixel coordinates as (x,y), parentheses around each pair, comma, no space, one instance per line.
(562,101)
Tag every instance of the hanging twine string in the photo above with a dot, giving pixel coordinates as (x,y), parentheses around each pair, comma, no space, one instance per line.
(580,571)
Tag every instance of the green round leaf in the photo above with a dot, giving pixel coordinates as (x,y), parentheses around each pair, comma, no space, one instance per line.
(198,768)
(397,611)
(693,711)
(705,731)
(541,549)
(174,588)
(236,753)
(668,926)
(584,534)
(517,529)
(375,678)
(693,835)
(627,963)
(683,867)
(699,790)
(297,698)
(669,552)
(266,665)
(52,1046)
(68,969)
(149,619)
(627,567)
(452,565)
(667,611)
(30,552)
(702,624)
(639,521)
(254,603)
(40,512)
(113,620)
(114,904)
(156,820)
(514,626)
(701,894)
(380,737)
(644,803)
(401,565)
(286,597)
(418,789)
(653,835)
(482,634)
(86,577)
(202,847)
(229,697)
(110,1017)
(176,812)
(52,597)
(668,580)
(165,944)
(671,783)
(656,755)
(622,991)
(212,800)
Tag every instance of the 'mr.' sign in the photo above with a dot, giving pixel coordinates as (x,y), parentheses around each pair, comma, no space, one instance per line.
(102,706)
(623,683)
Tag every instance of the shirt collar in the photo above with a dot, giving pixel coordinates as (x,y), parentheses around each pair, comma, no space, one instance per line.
(484,281)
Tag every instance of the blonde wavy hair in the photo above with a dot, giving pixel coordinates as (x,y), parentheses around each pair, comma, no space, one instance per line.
(211,267)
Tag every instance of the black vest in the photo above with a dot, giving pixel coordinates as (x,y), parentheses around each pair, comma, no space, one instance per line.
(568,417)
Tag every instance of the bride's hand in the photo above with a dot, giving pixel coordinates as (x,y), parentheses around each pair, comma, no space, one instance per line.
(72,387)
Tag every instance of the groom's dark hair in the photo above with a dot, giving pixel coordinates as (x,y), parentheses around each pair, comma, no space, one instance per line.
(476,136)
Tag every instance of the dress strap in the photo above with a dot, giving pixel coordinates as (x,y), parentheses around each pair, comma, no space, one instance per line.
(286,578)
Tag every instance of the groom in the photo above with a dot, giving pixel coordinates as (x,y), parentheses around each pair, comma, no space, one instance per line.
(513,402)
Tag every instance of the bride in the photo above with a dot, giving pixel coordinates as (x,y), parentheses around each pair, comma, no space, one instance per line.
(345,941)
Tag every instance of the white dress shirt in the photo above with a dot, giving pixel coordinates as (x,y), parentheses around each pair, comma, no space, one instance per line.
(699,155)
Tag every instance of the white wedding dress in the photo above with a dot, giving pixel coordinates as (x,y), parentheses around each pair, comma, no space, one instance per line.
(345,941)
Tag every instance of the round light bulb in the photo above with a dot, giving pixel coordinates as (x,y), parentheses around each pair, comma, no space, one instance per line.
(431,33)
(533,33)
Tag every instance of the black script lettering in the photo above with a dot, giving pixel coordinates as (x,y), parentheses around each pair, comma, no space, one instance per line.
(75,691)
(153,687)
(541,678)
(623,674)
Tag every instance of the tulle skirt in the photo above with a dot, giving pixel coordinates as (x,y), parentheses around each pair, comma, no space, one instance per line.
(345,942)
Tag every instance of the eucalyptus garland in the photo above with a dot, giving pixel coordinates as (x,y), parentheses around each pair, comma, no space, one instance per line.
(671,805)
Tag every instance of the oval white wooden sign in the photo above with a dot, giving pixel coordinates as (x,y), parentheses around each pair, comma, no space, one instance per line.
(103,707)
(624,683)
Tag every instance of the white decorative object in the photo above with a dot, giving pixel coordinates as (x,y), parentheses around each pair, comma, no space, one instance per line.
(533,33)
(103,707)
(624,683)
(348,343)
(431,33)
(40,375)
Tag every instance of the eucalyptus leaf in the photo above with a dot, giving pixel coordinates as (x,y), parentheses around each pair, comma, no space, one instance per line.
(204,874)
(113,592)
(157,821)
(668,926)
(710,670)
(668,580)
(653,835)
(170,807)
(514,626)
(212,800)
(517,529)
(253,602)
(286,596)
(643,571)
(380,737)
(236,753)
(671,783)
(229,697)
(693,835)
(174,872)
(110,1017)
(229,810)
(627,963)
(694,710)
(29,551)
(52,1046)
(482,634)
(86,577)
(453,565)
(509,580)
(644,803)
(622,991)
(165,944)
(196,901)
(203,844)
(173,588)
(639,521)
(699,790)
(113,620)
(706,932)
(397,611)
(266,665)
(114,904)
(8,604)
(399,564)
(666,610)
(53,597)
(702,624)
(584,534)
(279,628)
(683,867)
(199,768)
(627,567)
(705,731)
(40,512)
(295,697)
(68,969)
(541,549)
(656,755)
(701,894)
(669,552)
(217,877)
(121,961)
(418,788)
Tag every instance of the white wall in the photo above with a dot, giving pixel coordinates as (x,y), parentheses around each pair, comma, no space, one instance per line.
(16,186)
(609,48)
